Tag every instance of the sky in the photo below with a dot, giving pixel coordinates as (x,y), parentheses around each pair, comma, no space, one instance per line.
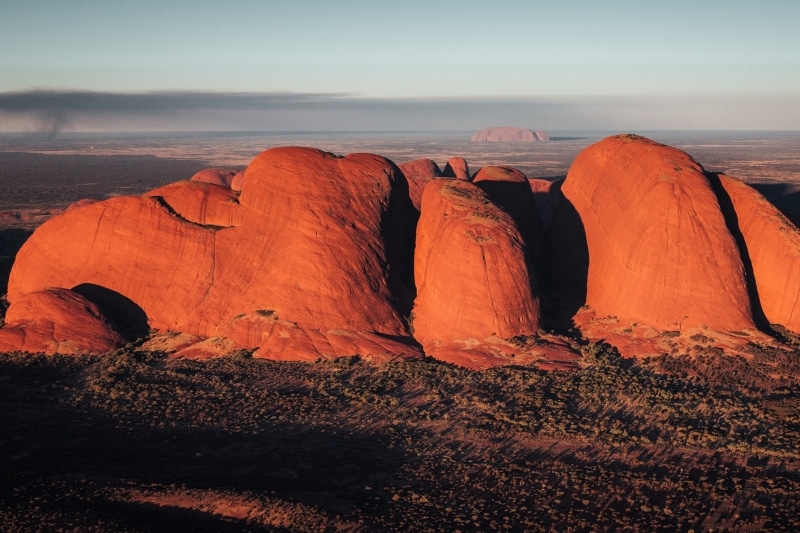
(413,65)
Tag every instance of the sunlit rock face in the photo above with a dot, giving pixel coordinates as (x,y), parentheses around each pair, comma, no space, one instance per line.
(508,134)
(200,202)
(457,167)
(313,260)
(472,278)
(224,177)
(321,256)
(771,246)
(659,248)
(57,321)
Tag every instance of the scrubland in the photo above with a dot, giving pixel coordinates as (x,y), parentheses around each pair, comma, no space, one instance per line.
(135,441)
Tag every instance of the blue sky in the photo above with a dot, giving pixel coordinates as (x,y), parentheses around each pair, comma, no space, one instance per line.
(602,65)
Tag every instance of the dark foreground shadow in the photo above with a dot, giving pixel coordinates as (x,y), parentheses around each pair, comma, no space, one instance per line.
(86,467)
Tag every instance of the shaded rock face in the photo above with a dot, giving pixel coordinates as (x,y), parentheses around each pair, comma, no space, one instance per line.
(457,167)
(771,246)
(317,252)
(508,134)
(472,277)
(545,195)
(659,249)
(57,321)
(419,173)
(510,189)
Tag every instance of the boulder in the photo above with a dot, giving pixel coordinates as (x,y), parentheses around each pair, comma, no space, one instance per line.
(420,168)
(419,173)
(57,321)
(509,134)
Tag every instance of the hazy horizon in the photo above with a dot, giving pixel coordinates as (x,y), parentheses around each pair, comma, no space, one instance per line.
(422,66)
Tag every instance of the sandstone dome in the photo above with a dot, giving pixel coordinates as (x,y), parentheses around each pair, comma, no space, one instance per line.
(316,254)
(659,248)
(473,283)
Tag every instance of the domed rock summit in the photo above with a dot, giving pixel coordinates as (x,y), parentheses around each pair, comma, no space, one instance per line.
(314,255)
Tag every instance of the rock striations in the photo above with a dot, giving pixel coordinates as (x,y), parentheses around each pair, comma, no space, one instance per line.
(771,249)
(308,255)
(659,248)
(471,274)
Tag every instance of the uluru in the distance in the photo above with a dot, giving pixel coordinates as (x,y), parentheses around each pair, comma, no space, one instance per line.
(509,134)
(307,255)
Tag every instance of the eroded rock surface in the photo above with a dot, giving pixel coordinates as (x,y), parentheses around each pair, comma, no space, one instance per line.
(659,249)
(224,177)
(315,257)
(418,173)
(772,248)
(320,243)
(473,288)
(457,167)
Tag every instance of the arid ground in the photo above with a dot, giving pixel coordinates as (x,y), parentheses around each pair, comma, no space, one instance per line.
(135,441)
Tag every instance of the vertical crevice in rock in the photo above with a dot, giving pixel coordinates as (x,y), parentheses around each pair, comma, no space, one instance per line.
(732,222)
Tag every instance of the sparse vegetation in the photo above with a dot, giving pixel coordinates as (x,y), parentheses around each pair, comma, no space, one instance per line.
(672,443)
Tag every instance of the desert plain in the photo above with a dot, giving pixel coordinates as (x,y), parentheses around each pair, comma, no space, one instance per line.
(134,440)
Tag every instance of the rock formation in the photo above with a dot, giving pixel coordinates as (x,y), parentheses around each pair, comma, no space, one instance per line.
(458,168)
(473,283)
(771,244)
(419,173)
(224,177)
(545,195)
(81,203)
(510,189)
(315,257)
(508,134)
(317,254)
(54,320)
(659,249)
(201,202)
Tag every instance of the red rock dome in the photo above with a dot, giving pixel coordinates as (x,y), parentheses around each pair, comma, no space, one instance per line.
(473,283)
(659,249)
